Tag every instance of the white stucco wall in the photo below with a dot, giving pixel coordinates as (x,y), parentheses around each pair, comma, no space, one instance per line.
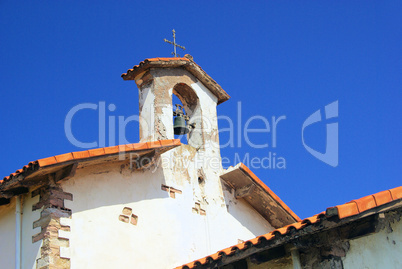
(379,250)
(168,233)
(29,250)
(7,235)
(147,114)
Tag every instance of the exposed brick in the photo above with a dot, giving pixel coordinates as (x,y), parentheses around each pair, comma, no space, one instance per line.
(134,219)
(127,211)
(56,202)
(172,191)
(54,222)
(42,222)
(124,218)
(61,195)
(38,236)
(198,210)
(65,228)
(52,201)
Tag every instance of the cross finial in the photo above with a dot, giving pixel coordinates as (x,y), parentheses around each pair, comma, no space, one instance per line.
(174,44)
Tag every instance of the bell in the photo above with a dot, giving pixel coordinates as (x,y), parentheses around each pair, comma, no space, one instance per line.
(179,125)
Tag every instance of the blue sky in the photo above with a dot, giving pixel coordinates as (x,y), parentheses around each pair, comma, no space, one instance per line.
(277,58)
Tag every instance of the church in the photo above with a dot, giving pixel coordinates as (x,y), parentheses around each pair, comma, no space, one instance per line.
(162,203)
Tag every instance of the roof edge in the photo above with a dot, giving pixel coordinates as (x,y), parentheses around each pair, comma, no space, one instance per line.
(258,181)
(388,200)
(79,156)
(185,62)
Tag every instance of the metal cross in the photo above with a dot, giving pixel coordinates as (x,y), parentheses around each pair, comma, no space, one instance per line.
(174,44)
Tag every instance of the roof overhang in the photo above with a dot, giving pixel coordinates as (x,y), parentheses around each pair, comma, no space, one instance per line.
(187,63)
(249,187)
(63,167)
(352,220)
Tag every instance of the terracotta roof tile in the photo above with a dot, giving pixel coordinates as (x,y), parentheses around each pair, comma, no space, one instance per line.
(125,148)
(396,193)
(346,210)
(168,142)
(382,197)
(254,241)
(96,152)
(227,251)
(138,70)
(81,154)
(156,60)
(282,230)
(140,146)
(64,157)
(242,246)
(365,203)
(311,220)
(154,144)
(47,161)
(86,154)
(112,150)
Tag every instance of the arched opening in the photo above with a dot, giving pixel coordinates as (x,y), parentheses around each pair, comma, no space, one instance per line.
(177,101)
(186,96)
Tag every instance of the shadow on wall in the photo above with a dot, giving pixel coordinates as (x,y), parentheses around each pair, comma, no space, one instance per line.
(244,213)
(113,184)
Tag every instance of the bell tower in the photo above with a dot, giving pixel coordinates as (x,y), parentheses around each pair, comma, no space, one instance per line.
(157,80)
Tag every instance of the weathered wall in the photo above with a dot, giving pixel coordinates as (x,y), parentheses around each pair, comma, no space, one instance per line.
(202,219)
(377,243)
(168,232)
(378,250)
(283,263)
(156,108)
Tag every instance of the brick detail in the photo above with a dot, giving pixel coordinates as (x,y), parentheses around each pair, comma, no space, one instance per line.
(133,219)
(198,210)
(128,217)
(124,218)
(51,197)
(127,211)
(172,191)
(55,223)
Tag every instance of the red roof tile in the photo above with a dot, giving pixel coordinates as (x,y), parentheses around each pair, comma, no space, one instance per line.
(396,193)
(64,157)
(87,154)
(382,197)
(46,161)
(137,71)
(365,203)
(349,209)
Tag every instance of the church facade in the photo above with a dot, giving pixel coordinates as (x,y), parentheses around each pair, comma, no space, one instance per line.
(158,203)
